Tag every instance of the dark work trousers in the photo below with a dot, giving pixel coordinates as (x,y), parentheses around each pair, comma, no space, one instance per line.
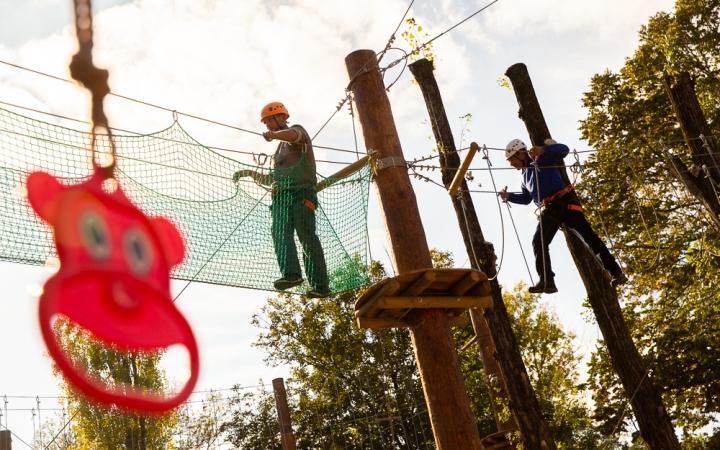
(290,215)
(552,217)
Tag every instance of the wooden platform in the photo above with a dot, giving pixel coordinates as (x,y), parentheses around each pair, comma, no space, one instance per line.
(498,440)
(386,303)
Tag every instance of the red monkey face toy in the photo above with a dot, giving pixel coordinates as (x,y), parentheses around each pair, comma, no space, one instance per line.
(114,281)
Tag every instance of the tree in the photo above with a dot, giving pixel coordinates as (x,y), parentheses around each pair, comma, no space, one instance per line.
(663,236)
(347,383)
(100,427)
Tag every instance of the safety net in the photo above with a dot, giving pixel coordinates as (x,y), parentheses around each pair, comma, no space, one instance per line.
(266,229)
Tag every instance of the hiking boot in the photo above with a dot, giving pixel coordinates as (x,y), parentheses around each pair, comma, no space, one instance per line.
(618,279)
(287,283)
(543,287)
(317,293)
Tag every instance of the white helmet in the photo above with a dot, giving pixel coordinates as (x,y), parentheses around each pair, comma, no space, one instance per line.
(513,147)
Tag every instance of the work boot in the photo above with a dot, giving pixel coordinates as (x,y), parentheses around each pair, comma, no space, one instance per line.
(287,283)
(317,293)
(618,279)
(542,286)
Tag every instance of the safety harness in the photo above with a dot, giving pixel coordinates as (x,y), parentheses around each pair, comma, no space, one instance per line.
(548,200)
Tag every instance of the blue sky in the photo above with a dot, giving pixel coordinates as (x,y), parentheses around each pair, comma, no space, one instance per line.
(224,59)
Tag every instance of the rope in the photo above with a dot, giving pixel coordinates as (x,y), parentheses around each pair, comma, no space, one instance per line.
(169,140)
(642,216)
(517,235)
(540,219)
(486,157)
(220,247)
(421,47)
(62,429)
(18,437)
(392,37)
(152,105)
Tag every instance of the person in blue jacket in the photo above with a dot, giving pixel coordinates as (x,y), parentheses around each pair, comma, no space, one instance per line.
(544,186)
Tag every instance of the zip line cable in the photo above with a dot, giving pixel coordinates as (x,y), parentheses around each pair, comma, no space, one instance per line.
(62,429)
(422,47)
(486,157)
(642,217)
(220,247)
(18,437)
(160,138)
(158,106)
(388,46)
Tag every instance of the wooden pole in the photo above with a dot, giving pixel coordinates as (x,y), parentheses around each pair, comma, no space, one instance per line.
(448,403)
(655,425)
(496,340)
(681,91)
(287,437)
(5,440)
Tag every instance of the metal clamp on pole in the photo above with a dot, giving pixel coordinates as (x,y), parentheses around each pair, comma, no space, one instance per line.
(392,161)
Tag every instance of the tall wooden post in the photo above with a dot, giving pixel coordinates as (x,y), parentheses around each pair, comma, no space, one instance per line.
(681,91)
(287,437)
(494,325)
(448,403)
(655,425)
(5,440)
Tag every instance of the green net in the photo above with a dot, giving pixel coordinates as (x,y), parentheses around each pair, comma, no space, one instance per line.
(267,230)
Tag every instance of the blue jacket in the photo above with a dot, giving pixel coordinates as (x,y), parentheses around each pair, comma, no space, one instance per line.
(550,180)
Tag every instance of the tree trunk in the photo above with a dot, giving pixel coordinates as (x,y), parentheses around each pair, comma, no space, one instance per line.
(655,425)
(287,437)
(500,354)
(448,403)
(693,124)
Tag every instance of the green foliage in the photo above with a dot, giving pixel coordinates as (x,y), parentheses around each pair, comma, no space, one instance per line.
(671,306)
(345,378)
(100,427)
(552,360)
(464,121)
(412,36)
(418,50)
(504,82)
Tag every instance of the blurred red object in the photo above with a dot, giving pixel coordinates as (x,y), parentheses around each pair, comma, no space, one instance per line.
(114,281)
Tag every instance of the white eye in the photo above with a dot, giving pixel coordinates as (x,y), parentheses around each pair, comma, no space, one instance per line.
(95,235)
(138,251)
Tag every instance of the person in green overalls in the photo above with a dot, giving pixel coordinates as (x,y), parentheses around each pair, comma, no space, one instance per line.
(294,201)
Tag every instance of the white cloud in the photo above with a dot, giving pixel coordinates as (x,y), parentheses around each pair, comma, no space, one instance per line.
(591,17)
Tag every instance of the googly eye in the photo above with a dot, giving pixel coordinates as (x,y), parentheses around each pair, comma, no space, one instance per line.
(138,251)
(95,235)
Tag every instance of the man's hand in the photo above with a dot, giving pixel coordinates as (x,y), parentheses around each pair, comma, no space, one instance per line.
(269,135)
(504,196)
(536,151)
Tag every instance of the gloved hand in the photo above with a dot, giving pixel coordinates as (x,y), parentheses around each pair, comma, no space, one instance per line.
(240,174)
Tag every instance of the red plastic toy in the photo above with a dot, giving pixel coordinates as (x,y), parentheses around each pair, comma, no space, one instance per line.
(114,281)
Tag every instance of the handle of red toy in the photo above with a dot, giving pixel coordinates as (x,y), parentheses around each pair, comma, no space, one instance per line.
(131,398)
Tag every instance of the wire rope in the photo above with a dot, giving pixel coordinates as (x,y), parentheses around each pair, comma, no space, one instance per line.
(163,108)
(486,157)
(220,247)
(642,216)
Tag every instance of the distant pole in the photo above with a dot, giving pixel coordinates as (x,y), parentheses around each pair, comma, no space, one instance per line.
(5,440)
(443,383)
(287,437)
(512,381)
(655,425)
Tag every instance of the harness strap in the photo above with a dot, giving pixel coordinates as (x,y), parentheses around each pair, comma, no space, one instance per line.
(560,193)
(577,208)
(309,204)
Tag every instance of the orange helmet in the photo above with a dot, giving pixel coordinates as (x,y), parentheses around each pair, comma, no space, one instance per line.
(273,108)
